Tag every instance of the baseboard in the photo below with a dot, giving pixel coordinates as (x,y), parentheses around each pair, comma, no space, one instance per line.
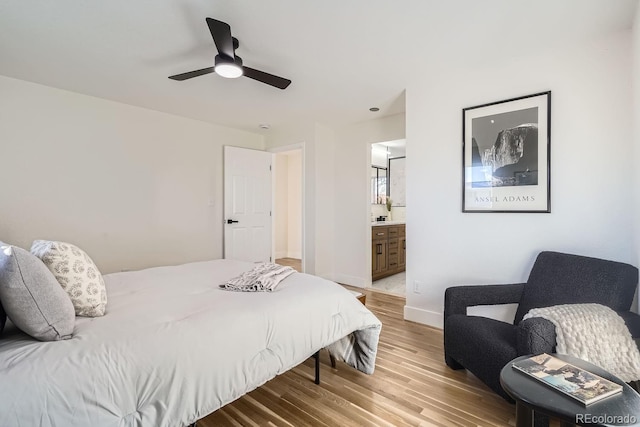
(426,317)
(345,279)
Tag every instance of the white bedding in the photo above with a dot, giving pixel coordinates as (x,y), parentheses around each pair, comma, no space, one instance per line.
(172,348)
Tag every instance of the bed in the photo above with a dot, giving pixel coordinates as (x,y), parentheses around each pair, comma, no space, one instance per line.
(174,347)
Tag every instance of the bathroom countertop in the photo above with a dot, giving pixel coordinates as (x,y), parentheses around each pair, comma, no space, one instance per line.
(376,223)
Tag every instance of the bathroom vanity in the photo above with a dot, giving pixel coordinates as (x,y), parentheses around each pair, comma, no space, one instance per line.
(388,248)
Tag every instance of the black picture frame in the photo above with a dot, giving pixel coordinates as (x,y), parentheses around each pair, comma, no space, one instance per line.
(506,155)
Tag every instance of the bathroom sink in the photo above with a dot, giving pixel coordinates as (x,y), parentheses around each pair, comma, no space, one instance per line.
(387,223)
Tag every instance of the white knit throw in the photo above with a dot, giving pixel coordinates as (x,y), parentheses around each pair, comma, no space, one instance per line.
(264,276)
(594,333)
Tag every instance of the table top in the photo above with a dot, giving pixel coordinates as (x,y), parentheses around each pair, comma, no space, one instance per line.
(544,399)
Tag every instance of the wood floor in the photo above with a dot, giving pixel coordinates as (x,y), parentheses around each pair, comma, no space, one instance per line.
(410,387)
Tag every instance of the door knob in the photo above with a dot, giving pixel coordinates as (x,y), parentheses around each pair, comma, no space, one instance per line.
(230,221)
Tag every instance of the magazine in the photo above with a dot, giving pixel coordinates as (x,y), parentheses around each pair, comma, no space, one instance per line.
(569,379)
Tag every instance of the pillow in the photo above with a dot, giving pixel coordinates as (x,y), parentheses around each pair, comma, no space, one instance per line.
(76,273)
(32,298)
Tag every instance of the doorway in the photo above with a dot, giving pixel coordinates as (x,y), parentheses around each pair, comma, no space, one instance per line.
(288,197)
(388,215)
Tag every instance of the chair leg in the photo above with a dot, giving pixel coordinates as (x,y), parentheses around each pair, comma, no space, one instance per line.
(317,357)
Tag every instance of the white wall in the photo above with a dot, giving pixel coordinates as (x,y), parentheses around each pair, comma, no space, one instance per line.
(281,205)
(591,179)
(294,205)
(133,187)
(325,208)
(351,194)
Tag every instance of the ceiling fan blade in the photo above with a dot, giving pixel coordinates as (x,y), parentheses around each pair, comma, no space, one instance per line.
(267,78)
(221,33)
(191,74)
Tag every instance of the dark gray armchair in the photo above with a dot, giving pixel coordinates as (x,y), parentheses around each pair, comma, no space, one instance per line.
(484,346)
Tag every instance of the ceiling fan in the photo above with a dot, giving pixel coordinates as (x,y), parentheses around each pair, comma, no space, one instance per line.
(227,63)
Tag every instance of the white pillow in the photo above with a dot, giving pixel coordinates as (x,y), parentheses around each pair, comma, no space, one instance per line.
(76,273)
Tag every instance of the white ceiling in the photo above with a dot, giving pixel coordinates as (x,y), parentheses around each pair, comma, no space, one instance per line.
(343,56)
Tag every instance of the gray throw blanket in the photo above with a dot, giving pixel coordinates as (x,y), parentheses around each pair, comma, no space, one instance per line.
(264,277)
(358,349)
(594,333)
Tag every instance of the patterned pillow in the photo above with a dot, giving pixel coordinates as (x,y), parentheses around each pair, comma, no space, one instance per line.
(76,273)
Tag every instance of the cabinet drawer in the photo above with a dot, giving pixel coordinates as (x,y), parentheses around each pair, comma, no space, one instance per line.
(393,232)
(379,232)
(393,244)
(403,230)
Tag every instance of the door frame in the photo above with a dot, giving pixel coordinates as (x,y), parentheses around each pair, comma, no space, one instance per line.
(281,149)
(369,234)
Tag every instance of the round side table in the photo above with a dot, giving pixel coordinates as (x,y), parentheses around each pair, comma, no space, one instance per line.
(534,396)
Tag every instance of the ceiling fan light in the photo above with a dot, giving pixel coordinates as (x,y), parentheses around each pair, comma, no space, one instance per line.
(230,69)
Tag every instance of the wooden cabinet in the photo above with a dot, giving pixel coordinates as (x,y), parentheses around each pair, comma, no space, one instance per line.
(402,253)
(388,250)
(402,248)
(379,260)
(393,253)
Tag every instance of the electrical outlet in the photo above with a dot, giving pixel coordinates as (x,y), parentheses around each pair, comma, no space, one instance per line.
(417,286)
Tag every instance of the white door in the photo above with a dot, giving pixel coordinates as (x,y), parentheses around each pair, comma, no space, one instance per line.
(247,204)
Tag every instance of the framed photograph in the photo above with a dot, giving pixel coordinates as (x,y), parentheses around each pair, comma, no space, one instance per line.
(506,164)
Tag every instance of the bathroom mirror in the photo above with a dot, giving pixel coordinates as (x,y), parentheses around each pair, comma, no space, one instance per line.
(388,172)
(396,172)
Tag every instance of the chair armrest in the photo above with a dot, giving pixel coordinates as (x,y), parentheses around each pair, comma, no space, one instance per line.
(535,336)
(632,321)
(458,298)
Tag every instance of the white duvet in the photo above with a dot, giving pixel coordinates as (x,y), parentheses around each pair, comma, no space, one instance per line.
(174,347)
